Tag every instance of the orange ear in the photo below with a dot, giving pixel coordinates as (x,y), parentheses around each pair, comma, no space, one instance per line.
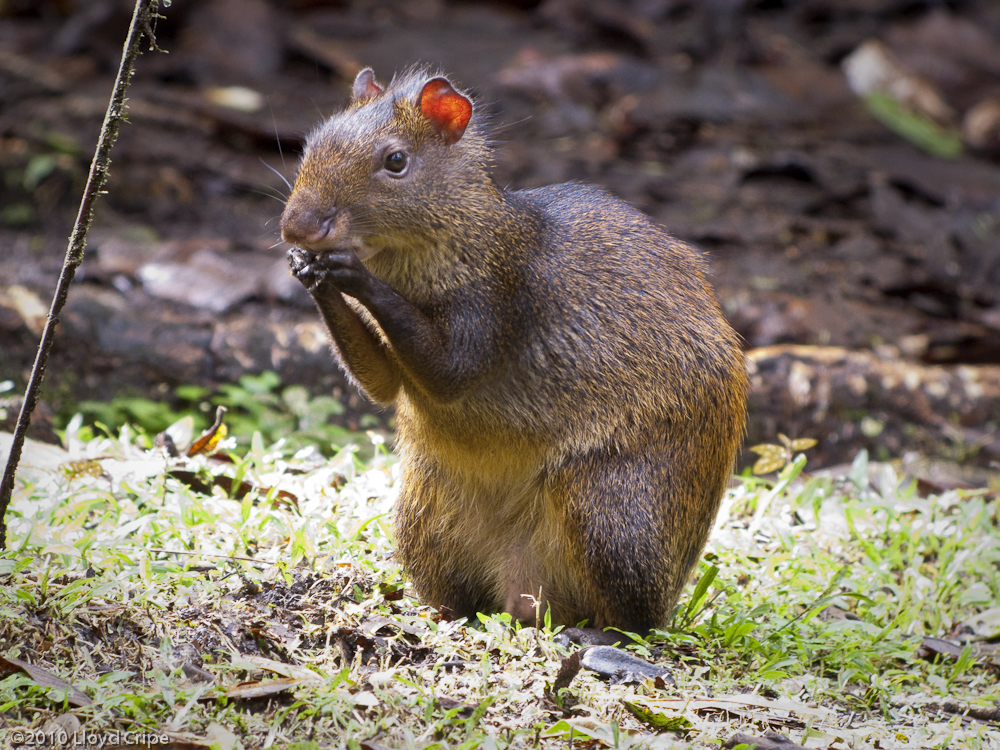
(365,86)
(448,111)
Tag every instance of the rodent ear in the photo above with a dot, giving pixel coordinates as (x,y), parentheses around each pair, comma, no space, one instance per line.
(365,86)
(448,111)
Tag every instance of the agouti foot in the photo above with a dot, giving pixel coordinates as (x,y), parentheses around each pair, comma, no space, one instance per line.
(592,637)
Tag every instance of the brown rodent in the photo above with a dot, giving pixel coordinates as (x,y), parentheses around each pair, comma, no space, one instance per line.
(569,397)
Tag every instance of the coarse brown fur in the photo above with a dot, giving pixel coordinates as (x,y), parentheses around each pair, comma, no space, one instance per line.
(569,397)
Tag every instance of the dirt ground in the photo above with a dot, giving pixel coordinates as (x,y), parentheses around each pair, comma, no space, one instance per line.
(731,123)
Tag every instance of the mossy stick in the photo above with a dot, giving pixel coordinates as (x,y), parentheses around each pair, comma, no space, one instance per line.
(74,252)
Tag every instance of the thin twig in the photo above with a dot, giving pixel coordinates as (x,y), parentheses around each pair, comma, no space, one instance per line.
(74,252)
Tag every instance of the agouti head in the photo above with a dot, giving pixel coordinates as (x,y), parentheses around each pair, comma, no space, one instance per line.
(389,170)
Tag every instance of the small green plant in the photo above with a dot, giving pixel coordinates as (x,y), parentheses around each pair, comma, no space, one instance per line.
(774,457)
(256,404)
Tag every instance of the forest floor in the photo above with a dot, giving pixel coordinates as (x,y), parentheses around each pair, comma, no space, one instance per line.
(250,600)
(732,124)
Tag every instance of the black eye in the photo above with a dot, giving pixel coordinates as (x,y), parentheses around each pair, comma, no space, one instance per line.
(397,162)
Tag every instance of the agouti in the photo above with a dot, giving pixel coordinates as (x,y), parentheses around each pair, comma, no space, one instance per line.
(569,398)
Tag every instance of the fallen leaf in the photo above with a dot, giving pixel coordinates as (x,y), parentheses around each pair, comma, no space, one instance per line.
(727,702)
(46,679)
(931,647)
(982,653)
(568,669)
(219,737)
(211,437)
(376,622)
(261,689)
(292,671)
(66,723)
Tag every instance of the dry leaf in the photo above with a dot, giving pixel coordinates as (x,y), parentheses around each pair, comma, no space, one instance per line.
(46,679)
(728,702)
(292,671)
(261,689)
(211,437)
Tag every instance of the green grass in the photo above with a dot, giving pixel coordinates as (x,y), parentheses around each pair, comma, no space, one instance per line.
(157,602)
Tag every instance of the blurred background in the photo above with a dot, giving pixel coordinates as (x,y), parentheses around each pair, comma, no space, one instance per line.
(838,161)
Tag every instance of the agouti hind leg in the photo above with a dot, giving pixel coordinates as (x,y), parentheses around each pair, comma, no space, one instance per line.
(435,558)
(617,513)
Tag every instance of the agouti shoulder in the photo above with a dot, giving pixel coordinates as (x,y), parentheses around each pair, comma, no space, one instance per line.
(569,397)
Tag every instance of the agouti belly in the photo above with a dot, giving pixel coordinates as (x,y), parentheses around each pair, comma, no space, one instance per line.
(479,530)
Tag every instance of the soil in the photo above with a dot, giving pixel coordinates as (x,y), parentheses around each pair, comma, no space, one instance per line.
(731,123)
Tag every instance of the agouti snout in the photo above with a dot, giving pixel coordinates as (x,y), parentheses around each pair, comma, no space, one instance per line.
(569,397)
(313,230)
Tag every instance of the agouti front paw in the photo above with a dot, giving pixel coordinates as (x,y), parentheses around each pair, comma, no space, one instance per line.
(306,268)
(340,268)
